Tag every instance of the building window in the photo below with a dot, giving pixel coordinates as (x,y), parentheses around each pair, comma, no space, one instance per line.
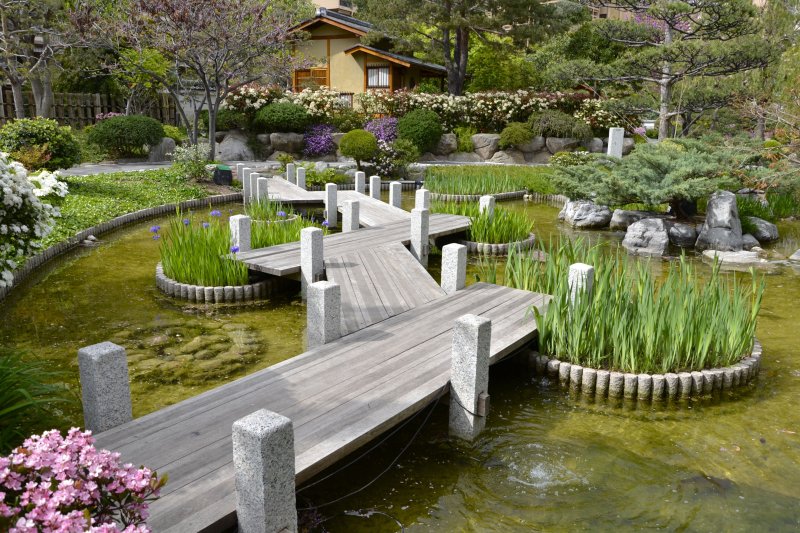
(313,78)
(377,77)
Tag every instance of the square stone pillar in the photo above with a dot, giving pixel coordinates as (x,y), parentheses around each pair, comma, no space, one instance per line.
(291,173)
(581,277)
(323,313)
(241,228)
(420,227)
(254,176)
(311,262)
(245,179)
(375,187)
(422,199)
(616,136)
(264,470)
(454,268)
(331,205)
(350,215)
(360,182)
(301,177)
(486,205)
(396,194)
(262,189)
(469,375)
(239,167)
(105,386)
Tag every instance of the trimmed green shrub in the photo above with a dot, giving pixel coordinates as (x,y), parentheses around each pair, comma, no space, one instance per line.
(553,123)
(282,117)
(175,133)
(514,134)
(56,145)
(464,135)
(422,127)
(347,119)
(361,145)
(126,135)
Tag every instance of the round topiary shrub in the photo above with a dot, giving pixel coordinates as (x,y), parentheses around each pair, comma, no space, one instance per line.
(422,127)
(554,123)
(126,135)
(515,134)
(361,145)
(282,117)
(40,143)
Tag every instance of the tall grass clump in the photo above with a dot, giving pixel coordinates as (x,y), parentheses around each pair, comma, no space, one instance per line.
(505,227)
(488,179)
(779,205)
(633,322)
(263,235)
(266,209)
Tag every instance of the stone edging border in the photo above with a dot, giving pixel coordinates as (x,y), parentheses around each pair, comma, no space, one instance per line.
(475,197)
(212,295)
(64,246)
(498,249)
(555,200)
(649,387)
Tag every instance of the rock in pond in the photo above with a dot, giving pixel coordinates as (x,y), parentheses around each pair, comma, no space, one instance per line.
(622,218)
(763,231)
(683,235)
(585,214)
(722,229)
(749,242)
(648,237)
(740,258)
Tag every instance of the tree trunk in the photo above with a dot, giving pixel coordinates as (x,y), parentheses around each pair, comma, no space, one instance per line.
(42,88)
(19,99)
(761,126)
(665,91)
(457,73)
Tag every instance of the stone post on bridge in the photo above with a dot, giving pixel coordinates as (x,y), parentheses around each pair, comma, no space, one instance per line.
(241,227)
(323,313)
(420,240)
(581,278)
(254,177)
(331,205)
(264,470)
(239,167)
(375,187)
(486,206)
(469,376)
(454,268)
(301,177)
(105,386)
(422,199)
(311,262)
(350,215)
(395,194)
(291,173)
(616,137)
(245,179)
(262,189)
(360,182)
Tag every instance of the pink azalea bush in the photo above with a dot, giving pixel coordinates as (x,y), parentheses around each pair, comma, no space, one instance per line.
(64,484)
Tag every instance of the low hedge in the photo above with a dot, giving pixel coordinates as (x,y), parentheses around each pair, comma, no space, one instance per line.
(126,135)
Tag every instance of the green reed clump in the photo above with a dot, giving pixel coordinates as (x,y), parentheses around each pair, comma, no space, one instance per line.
(633,322)
(265,234)
(266,209)
(488,179)
(197,252)
(504,227)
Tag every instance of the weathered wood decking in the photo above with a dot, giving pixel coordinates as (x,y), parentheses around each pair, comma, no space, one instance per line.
(378,283)
(339,396)
(284,259)
(282,191)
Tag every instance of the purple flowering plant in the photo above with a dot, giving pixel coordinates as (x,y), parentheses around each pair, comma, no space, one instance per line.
(319,141)
(384,129)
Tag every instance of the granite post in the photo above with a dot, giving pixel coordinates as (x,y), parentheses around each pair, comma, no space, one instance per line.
(422,199)
(245,179)
(469,375)
(331,204)
(615,138)
(254,186)
(105,386)
(262,189)
(454,267)
(323,313)
(360,182)
(420,225)
(301,177)
(395,194)
(350,209)
(241,226)
(375,187)
(311,262)
(581,278)
(486,206)
(291,173)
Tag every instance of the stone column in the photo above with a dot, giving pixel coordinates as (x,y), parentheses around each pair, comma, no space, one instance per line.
(263,464)
(245,179)
(422,199)
(375,187)
(469,375)
(254,176)
(323,313)
(311,251)
(291,173)
(105,387)
(486,205)
(581,277)
(239,167)
(241,226)
(420,225)
(350,216)
(262,189)
(301,177)
(615,138)
(360,182)
(331,205)
(395,194)
(454,268)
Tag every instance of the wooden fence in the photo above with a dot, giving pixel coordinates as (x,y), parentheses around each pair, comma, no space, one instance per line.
(80,109)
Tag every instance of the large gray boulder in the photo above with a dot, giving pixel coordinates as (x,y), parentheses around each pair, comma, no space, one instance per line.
(508,157)
(263,138)
(537,144)
(585,214)
(337,138)
(628,145)
(722,229)
(683,235)
(465,157)
(749,242)
(648,237)
(622,218)
(486,144)
(448,143)
(594,145)
(234,148)
(735,259)
(162,151)
(558,144)
(287,142)
(763,230)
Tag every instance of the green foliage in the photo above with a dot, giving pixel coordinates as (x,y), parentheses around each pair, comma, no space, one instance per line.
(571,159)
(61,149)
(554,123)
(515,134)
(423,127)
(779,205)
(632,322)
(272,234)
(497,64)
(29,398)
(321,177)
(175,133)
(90,153)
(230,119)
(282,117)
(126,135)
(190,161)
(470,180)
(265,209)
(361,145)
(284,160)
(505,227)
(347,119)
(464,135)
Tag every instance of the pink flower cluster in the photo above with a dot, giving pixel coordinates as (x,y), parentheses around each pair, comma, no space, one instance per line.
(64,484)
(104,116)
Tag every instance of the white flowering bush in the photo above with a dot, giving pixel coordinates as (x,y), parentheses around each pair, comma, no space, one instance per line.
(251,97)
(191,161)
(320,104)
(596,114)
(24,218)
(46,183)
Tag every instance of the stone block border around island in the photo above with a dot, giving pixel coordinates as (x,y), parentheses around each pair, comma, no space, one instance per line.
(515,195)
(212,295)
(498,249)
(649,387)
(66,245)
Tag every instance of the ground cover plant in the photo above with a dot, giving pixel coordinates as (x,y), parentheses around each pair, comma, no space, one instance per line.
(504,227)
(41,142)
(488,179)
(634,322)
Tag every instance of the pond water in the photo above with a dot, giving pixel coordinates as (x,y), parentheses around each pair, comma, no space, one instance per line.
(546,461)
